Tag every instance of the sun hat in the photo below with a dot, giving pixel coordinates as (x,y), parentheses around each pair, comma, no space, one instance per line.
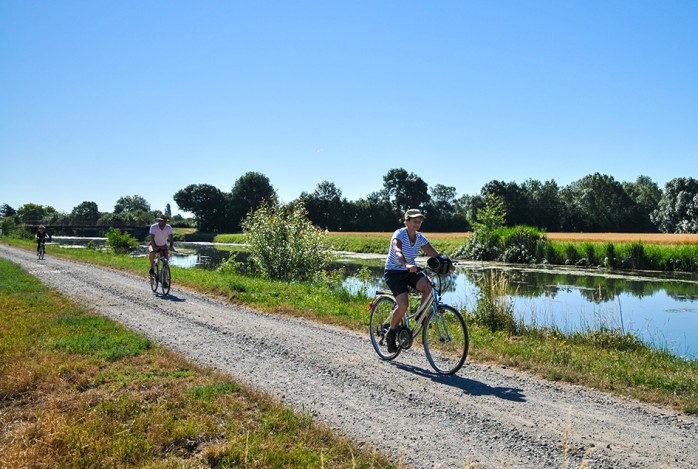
(413,213)
(163,218)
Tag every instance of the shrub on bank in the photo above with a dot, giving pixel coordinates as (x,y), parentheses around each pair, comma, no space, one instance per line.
(120,242)
(518,244)
(284,244)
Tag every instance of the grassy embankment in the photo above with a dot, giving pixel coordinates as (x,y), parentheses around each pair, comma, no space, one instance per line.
(79,390)
(607,362)
(668,252)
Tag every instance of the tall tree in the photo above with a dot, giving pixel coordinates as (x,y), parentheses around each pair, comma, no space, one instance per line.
(375,213)
(542,204)
(248,193)
(467,207)
(646,194)
(6,211)
(405,190)
(131,203)
(326,206)
(441,209)
(677,210)
(35,213)
(597,203)
(513,198)
(208,204)
(86,212)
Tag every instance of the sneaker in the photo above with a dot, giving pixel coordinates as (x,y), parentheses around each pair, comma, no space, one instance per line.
(152,271)
(390,339)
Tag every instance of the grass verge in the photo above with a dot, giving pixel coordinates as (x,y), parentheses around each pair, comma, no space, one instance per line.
(78,390)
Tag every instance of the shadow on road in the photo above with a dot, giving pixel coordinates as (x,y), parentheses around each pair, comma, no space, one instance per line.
(170,297)
(468,386)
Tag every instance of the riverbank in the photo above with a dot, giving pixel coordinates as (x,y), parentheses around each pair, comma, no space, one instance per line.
(633,251)
(602,361)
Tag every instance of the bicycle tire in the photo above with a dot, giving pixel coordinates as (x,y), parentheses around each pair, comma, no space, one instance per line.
(166,281)
(445,339)
(155,278)
(42,252)
(381,313)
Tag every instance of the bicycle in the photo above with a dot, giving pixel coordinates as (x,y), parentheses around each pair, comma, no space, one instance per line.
(443,328)
(162,277)
(42,249)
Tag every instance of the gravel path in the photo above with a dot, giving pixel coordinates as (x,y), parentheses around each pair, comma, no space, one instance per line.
(488,414)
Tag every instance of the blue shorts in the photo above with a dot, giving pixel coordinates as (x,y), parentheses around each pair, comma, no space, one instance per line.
(399,280)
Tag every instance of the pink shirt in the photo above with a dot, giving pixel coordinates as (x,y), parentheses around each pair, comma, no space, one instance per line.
(160,236)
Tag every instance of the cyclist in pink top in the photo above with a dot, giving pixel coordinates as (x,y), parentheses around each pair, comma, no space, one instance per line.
(160,237)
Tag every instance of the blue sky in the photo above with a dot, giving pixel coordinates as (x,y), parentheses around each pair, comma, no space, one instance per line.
(101,99)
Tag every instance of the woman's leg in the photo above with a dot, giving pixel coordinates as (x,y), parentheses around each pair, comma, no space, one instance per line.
(403,301)
(424,286)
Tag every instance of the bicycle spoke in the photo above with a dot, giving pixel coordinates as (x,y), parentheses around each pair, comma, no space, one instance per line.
(381,314)
(445,339)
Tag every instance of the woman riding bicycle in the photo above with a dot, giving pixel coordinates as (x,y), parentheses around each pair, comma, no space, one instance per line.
(160,237)
(41,237)
(401,271)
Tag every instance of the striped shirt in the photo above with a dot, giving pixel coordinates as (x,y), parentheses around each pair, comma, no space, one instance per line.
(410,251)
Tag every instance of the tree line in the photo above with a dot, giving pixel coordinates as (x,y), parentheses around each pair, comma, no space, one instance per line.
(595,203)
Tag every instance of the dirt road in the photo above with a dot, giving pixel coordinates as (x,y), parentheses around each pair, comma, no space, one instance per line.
(493,416)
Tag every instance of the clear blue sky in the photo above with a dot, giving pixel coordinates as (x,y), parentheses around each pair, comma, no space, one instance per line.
(104,99)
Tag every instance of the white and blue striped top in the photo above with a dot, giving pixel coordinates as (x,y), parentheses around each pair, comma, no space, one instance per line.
(410,251)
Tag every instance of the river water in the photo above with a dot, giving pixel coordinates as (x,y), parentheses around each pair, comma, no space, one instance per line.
(661,308)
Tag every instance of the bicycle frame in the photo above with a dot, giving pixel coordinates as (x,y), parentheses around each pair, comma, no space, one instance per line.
(161,272)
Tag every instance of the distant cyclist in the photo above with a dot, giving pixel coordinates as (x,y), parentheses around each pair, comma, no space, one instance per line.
(160,238)
(401,271)
(41,237)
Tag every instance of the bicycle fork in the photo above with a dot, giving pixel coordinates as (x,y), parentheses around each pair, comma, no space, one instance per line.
(441,328)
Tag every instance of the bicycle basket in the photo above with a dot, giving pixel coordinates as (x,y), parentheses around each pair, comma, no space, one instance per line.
(440,264)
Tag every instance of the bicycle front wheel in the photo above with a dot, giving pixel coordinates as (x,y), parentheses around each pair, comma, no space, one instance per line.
(381,314)
(155,278)
(445,339)
(166,280)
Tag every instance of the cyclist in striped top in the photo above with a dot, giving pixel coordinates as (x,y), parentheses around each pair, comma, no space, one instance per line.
(401,271)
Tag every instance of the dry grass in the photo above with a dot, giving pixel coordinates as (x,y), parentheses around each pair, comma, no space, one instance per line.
(648,238)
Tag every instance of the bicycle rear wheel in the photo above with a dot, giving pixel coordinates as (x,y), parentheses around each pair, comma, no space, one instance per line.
(381,313)
(166,280)
(445,339)
(155,278)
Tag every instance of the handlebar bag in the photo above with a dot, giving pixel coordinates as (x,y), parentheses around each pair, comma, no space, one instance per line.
(440,264)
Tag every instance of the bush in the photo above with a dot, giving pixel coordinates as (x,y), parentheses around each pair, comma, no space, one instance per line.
(121,242)
(520,244)
(284,244)
(482,245)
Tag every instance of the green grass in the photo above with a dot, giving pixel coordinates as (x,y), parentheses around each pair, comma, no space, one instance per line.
(603,362)
(79,390)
